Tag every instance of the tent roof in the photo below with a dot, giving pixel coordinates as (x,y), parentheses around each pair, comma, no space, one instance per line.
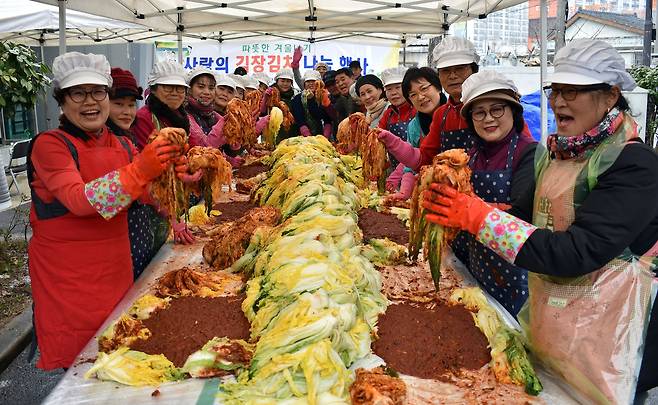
(27,20)
(307,20)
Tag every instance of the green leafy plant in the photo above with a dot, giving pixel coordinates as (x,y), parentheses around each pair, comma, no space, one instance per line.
(647,78)
(22,77)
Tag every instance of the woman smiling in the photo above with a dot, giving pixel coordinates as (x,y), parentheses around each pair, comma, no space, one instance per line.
(502,162)
(587,231)
(422,89)
(82,180)
(164,105)
(371,93)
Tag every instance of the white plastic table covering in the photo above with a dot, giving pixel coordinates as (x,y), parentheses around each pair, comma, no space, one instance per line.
(74,389)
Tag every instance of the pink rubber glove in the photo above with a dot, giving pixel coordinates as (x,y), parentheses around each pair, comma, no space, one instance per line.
(296,57)
(192,178)
(327,130)
(403,151)
(182,235)
(262,123)
(265,99)
(393,179)
(304,130)
(236,161)
(216,136)
(406,187)
(181,169)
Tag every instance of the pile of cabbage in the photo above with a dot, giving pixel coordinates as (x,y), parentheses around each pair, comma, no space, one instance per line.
(313,299)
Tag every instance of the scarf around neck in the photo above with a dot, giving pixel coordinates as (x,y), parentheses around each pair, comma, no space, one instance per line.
(569,147)
(177,118)
(377,109)
(204,115)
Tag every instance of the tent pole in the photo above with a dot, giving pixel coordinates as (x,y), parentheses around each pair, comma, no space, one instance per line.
(45,100)
(62,26)
(543,11)
(648,26)
(655,20)
(4,131)
(179,32)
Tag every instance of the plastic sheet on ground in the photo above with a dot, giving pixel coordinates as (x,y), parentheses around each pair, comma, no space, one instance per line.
(74,389)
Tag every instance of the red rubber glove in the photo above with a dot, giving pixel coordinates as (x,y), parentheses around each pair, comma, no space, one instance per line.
(296,57)
(150,163)
(304,131)
(182,235)
(453,209)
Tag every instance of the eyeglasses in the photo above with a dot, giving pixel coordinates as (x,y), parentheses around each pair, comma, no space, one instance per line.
(172,88)
(570,93)
(80,95)
(459,70)
(424,90)
(496,111)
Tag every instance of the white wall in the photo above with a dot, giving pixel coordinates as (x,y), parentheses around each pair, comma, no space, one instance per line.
(616,37)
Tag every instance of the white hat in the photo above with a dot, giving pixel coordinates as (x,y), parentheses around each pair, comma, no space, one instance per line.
(167,72)
(225,80)
(74,68)
(487,84)
(285,73)
(324,64)
(239,80)
(393,75)
(590,61)
(263,78)
(198,71)
(312,75)
(454,51)
(250,82)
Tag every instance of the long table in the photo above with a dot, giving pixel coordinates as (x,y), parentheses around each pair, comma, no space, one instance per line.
(75,389)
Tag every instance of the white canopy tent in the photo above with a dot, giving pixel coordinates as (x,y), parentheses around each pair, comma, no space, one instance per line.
(306,20)
(31,22)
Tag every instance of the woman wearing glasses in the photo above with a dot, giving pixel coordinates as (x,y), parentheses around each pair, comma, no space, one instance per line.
(502,162)
(164,104)
(592,216)
(82,180)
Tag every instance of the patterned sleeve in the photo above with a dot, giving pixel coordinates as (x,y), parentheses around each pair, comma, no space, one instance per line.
(505,234)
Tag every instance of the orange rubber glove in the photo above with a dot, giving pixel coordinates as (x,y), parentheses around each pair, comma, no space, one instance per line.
(150,163)
(453,209)
(326,101)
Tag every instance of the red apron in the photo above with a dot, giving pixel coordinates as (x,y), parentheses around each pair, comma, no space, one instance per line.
(80,266)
